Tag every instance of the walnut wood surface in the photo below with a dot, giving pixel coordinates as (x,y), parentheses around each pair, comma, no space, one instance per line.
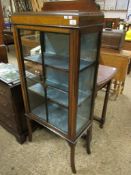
(105,74)
(81,5)
(57,19)
(61,13)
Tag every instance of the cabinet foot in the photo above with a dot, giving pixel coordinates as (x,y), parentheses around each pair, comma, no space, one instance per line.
(29,125)
(72,157)
(21,139)
(101,125)
(88,140)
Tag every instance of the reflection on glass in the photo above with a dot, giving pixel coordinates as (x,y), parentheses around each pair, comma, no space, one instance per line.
(86,79)
(30,42)
(89,46)
(57,44)
(83,114)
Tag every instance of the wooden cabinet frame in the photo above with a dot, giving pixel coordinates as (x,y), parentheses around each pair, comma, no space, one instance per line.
(85,23)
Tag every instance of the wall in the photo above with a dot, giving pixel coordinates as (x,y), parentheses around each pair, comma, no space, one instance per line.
(113,13)
(129,12)
(6,5)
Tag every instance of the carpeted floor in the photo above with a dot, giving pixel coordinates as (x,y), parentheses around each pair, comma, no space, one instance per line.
(48,154)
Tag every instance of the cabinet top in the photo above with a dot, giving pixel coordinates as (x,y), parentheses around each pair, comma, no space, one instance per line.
(71,14)
(81,5)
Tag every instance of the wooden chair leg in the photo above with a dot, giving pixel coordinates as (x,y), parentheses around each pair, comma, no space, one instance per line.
(115,85)
(122,87)
(72,157)
(29,125)
(119,88)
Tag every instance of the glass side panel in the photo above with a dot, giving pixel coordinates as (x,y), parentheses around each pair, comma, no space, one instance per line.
(83,113)
(88,53)
(89,46)
(46,62)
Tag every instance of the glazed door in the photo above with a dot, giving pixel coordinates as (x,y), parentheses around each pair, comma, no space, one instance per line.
(46,63)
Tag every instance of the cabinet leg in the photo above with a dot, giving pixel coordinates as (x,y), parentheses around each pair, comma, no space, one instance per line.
(29,125)
(88,139)
(21,138)
(72,157)
(105,105)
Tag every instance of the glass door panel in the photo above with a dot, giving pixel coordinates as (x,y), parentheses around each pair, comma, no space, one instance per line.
(31,53)
(46,62)
(56,56)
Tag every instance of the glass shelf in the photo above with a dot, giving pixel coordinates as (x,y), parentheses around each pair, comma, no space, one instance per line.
(38,89)
(57,85)
(57,96)
(57,116)
(34,58)
(56,61)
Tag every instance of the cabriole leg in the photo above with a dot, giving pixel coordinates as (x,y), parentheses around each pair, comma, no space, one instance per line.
(72,157)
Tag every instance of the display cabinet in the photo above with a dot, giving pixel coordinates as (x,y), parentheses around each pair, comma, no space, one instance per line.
(60,47)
